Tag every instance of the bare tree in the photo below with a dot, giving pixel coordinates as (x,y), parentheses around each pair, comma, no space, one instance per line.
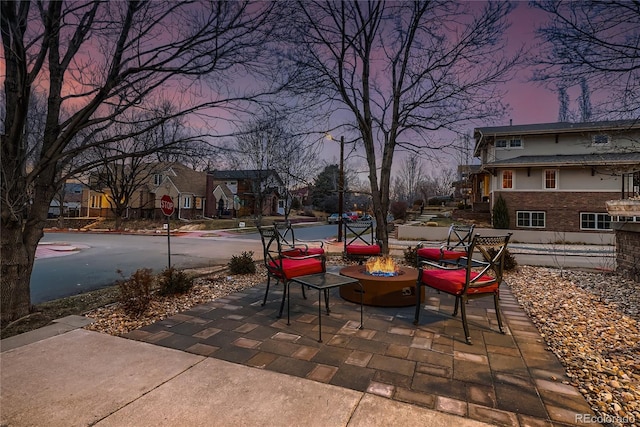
(437,184)
(594,42)
(400,71)
(563,99)
(96,61)
(268,144)
(409,177)
(120,176)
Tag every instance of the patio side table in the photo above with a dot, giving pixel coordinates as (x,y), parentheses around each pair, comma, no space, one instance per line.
(323,282)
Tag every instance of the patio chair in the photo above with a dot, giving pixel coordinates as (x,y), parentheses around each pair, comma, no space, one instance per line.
(473,278)
(359,241)
(293,247)
(283,267)
(450,252)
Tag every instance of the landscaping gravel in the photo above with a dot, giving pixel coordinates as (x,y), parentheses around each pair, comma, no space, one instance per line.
(590,321)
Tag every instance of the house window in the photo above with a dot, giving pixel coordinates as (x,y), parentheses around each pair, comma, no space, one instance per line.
(198,202)
(530,219)
(186,202)
(95,201)
(595,221)
(515,143)
(509,143)
(507,179)
(602,139)
(550,179)
(157,179)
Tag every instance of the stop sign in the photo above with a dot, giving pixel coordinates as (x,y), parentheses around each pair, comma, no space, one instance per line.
(166,205)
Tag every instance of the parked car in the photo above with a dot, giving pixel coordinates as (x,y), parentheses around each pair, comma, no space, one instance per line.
(353,216)
(333,218)
(365,217)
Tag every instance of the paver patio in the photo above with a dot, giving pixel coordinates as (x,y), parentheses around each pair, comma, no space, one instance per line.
(509,379)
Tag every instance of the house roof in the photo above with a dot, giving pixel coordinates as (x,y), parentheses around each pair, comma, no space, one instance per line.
(559,127)
(187,180)
(594,159)
(481,133)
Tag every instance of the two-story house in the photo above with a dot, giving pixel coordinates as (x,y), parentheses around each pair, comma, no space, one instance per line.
(146,184)
(558,176)
(240,193)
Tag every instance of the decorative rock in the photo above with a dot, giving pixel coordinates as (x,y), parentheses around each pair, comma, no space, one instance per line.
(590,321)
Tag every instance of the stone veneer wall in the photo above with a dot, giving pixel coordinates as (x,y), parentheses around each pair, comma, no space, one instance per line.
(628,249)
(563,208)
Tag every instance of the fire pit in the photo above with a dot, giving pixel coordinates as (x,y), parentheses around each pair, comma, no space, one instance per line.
(385,284)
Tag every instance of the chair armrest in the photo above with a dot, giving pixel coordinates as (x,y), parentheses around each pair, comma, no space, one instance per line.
(422,264)
(452,247)
(321,256)
(313,241)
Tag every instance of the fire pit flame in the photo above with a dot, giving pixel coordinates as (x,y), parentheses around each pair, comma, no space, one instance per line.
(382,266)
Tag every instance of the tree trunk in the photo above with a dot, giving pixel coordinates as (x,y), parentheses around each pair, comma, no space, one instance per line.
(18,255)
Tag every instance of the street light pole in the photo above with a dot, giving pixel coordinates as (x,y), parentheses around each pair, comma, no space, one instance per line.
(341,189)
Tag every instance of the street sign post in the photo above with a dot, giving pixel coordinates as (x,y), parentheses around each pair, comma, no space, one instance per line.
(166,206)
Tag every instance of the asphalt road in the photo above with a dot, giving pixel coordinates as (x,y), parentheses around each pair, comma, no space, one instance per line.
(100,256)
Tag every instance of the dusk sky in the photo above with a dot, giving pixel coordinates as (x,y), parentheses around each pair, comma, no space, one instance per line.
(530,103)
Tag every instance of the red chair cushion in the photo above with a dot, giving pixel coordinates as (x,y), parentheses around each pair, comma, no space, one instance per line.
(315,251)
(296,267)
(363,249)
(301,252)
(452,281)
(434,254)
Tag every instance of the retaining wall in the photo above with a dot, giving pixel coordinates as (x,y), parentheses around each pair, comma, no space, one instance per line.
(628,249)
(411,232)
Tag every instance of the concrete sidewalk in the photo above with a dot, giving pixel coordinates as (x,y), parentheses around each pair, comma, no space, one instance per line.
(87,378)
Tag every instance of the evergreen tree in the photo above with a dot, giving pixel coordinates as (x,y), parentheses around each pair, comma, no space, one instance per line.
(500,214)
(324,194)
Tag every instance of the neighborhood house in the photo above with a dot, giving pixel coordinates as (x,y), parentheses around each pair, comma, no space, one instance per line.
(558,176)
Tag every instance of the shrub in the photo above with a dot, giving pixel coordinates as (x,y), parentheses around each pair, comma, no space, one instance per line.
(295,204)
(173,282)
(135,292)
(509,260)
(242,264)
(500,214)
(398,210)
(411,255)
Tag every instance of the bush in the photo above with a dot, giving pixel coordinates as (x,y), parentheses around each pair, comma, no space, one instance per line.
(509,260)
(411,256)
(135,292)
(174,282)
(500,214)
(295,204)
(398,210)
(242,264)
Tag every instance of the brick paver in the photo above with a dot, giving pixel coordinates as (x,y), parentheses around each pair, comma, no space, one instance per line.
(510,379)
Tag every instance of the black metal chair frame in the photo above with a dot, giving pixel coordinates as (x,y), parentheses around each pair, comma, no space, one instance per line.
(458,239)
(272,247)
(357,233)
(288,239)
(491,261)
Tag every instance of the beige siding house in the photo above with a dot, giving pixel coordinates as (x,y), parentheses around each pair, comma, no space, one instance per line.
(558,176)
